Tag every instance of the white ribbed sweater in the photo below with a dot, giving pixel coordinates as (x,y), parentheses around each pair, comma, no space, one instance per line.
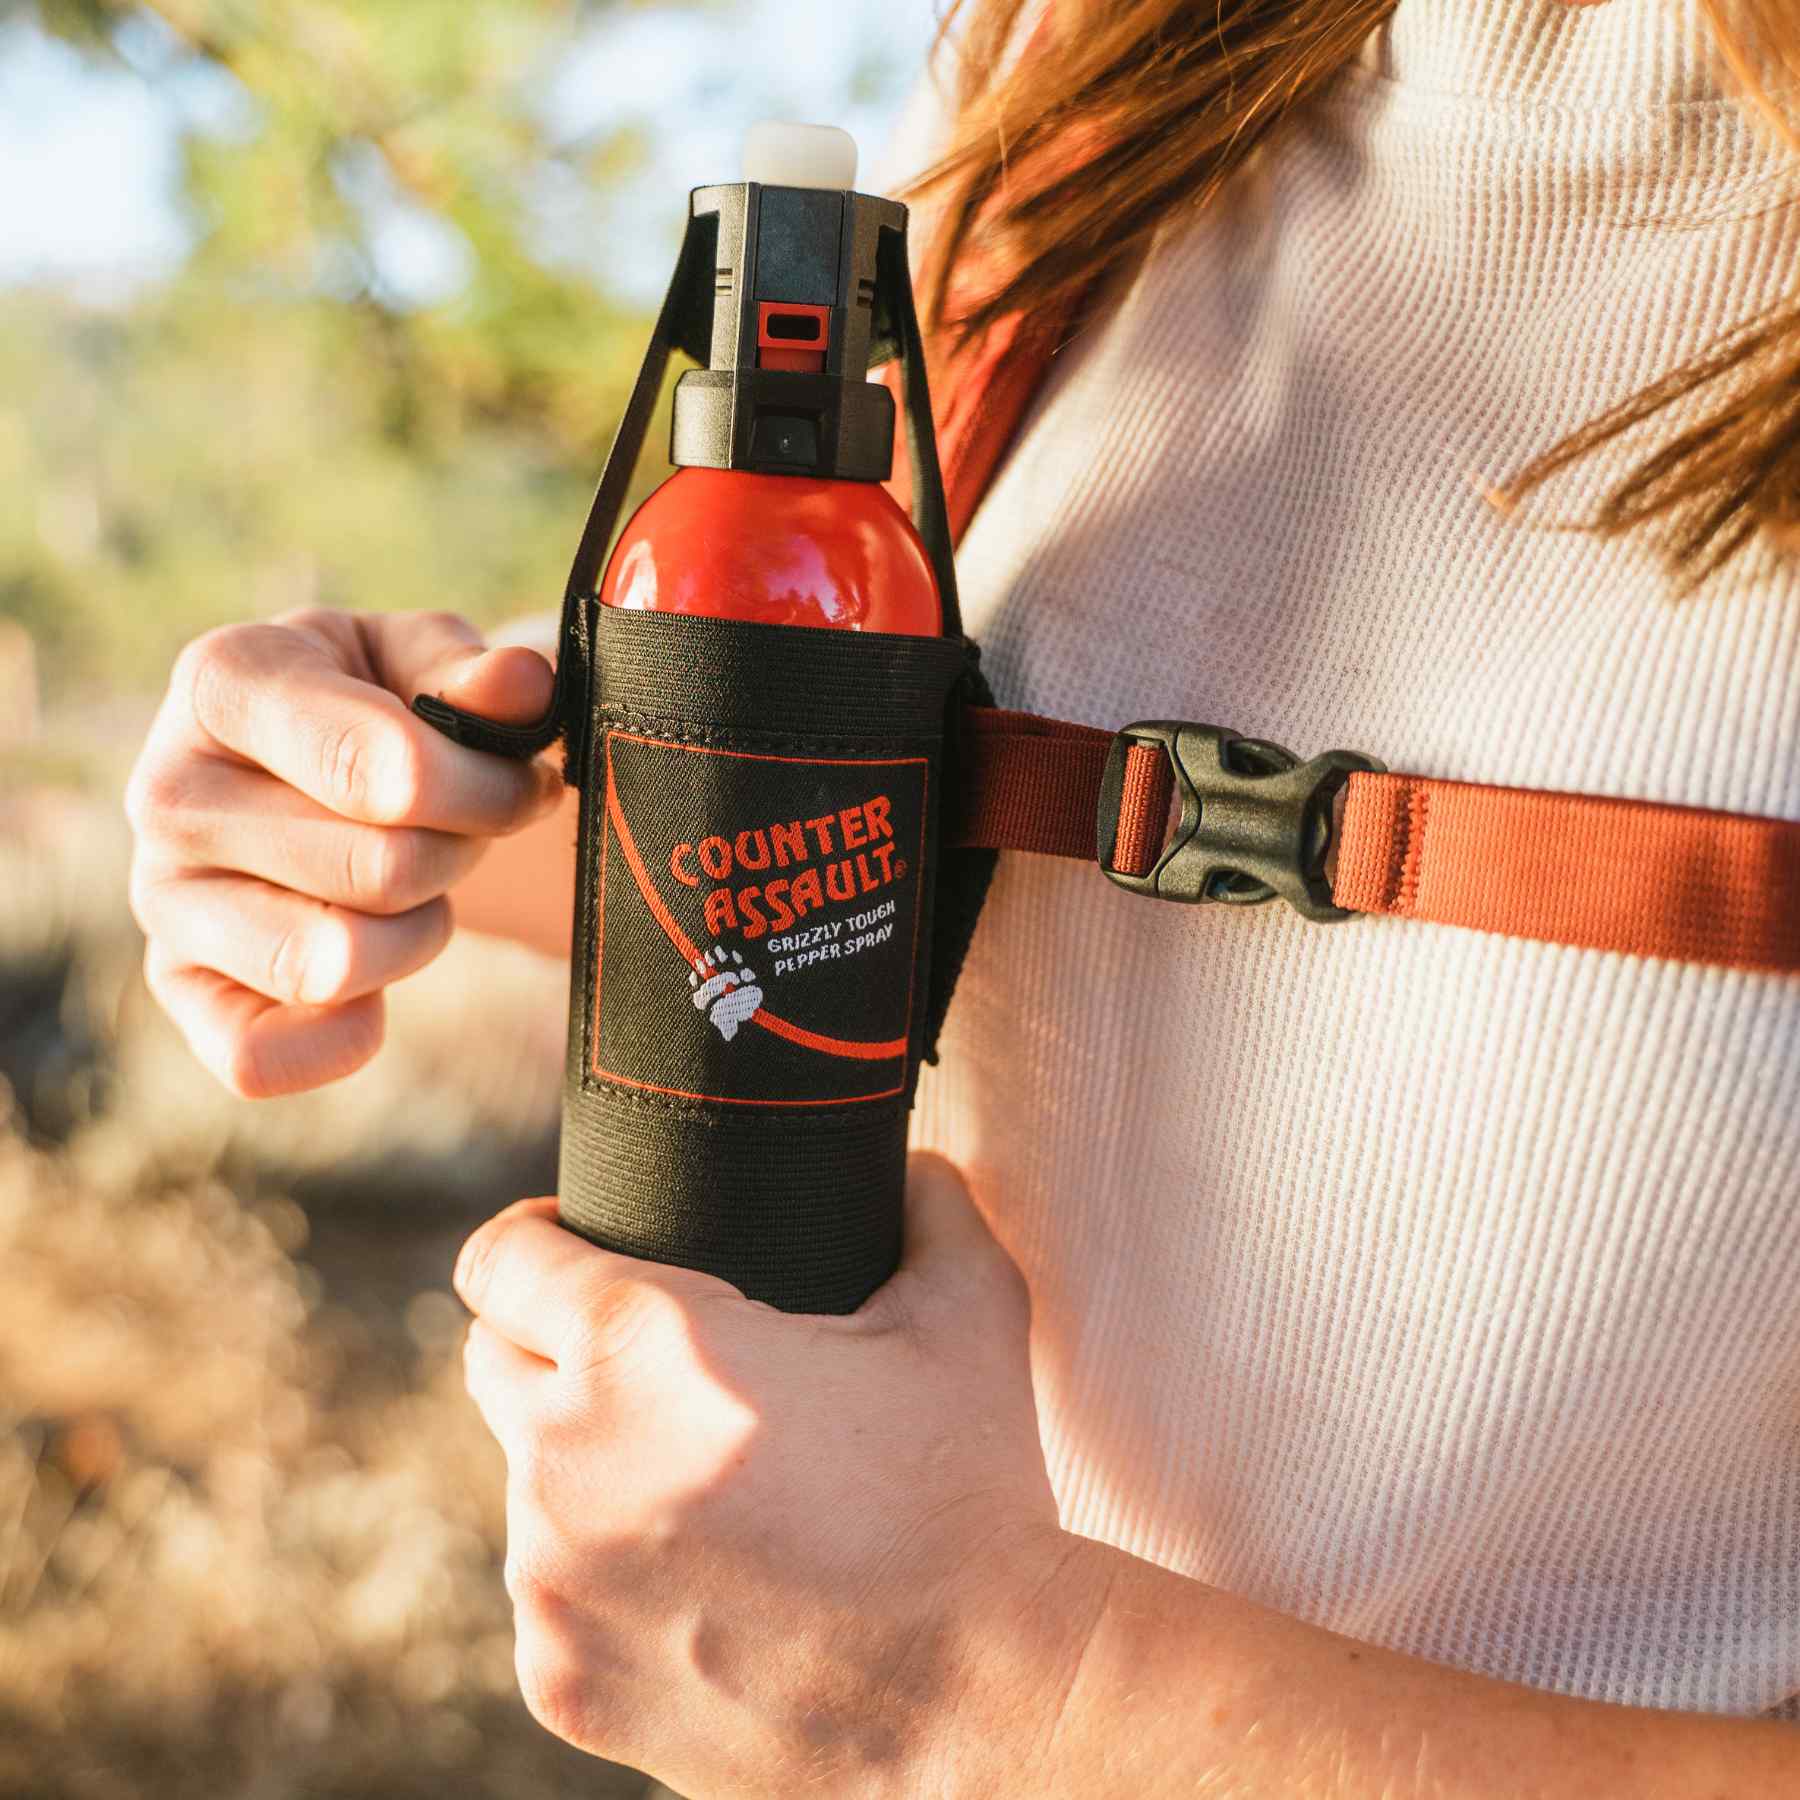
(1439,1288)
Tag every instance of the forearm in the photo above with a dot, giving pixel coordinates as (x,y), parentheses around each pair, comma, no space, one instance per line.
(1151,1685)
(524,887)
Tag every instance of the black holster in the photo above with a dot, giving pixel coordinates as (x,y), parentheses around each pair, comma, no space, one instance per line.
(750,996)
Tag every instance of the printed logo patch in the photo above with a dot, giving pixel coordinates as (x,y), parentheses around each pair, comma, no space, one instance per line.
(758,923)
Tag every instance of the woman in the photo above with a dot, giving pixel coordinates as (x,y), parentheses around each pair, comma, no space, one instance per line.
(1413,1337)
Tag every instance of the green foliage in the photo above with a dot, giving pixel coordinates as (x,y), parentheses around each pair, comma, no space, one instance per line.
(279,425)
(197,459)
(369,110)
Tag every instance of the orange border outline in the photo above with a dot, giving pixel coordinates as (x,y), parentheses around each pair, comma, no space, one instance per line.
(613,819)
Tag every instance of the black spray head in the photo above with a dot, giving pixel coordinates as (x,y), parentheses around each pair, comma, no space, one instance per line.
(790,295)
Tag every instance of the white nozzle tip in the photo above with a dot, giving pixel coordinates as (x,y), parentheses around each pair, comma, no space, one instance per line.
(780,154)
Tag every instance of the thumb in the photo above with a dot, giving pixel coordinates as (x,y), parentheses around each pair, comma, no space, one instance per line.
(511,685)
(441,654)
(943,1228)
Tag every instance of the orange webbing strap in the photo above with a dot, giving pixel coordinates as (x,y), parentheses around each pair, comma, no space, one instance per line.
(1628,875)
(1624,875)
(1034,784)
(977,404)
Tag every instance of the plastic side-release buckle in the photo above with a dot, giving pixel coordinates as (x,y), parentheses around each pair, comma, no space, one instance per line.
(1255,821)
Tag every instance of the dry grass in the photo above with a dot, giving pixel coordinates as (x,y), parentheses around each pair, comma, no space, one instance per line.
(250,1528)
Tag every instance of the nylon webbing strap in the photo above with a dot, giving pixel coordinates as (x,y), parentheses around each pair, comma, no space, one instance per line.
(1032,783)
(1622,875)
(1626,875)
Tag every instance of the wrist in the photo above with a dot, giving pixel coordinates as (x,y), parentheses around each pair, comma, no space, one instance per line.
(1029,1609)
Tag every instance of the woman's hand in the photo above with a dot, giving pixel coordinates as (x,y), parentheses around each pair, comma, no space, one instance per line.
(764,1554)
(758,1554)
(297,827)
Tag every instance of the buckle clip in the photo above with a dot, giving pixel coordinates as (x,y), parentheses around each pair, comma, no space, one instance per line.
(1255,823)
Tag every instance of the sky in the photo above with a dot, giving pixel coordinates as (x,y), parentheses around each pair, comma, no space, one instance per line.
(89,165)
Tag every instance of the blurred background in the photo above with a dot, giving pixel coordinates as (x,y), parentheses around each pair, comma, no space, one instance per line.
(327,304)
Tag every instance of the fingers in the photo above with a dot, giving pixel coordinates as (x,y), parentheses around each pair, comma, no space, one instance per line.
(256,1048)
(279,697)
(503,1381)
(433,653)
(284,946)
(954,1274)
(511,685)
(562,1298)
(224,816)
(531,1280)
(298,827)
(942,1225)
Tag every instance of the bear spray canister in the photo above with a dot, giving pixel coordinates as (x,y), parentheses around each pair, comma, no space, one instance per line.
(754,700)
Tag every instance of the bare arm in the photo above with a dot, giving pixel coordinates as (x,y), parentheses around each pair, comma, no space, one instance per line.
(1169,1687)
(524,888)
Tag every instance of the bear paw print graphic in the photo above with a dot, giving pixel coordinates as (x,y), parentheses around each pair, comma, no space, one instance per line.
(725,989)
